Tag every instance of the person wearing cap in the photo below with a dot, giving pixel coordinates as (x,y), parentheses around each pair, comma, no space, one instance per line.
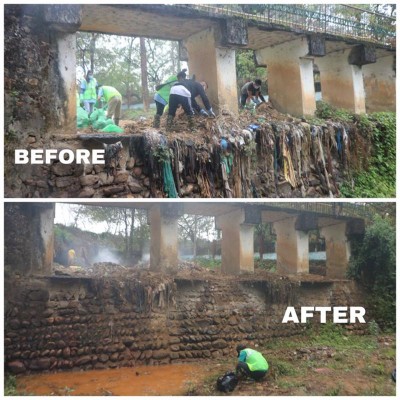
(251,91)
(161,96)
(251,363)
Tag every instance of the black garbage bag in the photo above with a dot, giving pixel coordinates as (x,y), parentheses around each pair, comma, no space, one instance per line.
(227,382)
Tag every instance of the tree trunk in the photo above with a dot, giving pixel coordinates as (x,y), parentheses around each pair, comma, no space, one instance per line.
(92,50)
(143,65)
(131,235)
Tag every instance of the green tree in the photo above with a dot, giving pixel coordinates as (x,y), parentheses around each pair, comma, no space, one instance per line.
(373,263)
(128,223)
(194,227)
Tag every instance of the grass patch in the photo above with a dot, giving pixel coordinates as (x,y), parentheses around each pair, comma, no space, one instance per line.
(10,386)
(281,368)
(137,113)
(208,263)
(375,370)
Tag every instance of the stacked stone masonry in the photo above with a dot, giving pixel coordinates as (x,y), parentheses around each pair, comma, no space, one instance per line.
(71,324)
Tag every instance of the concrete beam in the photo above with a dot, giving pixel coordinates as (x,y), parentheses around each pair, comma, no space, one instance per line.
(291,247)
(237,246)
(342,83)
(380,84)
(216,66)
(337,250)
(163,237)
(290,77)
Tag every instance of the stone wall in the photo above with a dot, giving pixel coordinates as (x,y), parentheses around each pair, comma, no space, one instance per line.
(64,323)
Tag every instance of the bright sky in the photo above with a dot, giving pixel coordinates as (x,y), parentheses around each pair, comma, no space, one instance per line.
(65,216)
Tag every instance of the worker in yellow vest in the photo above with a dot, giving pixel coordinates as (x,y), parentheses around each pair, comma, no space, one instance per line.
(114,101)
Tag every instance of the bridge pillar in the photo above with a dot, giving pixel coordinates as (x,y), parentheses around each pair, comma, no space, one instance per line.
(237,246)
(342,83)
(216,66)
(163,237)
(29,242)
(291,247)
(337,250)
(290,77)
(380,84)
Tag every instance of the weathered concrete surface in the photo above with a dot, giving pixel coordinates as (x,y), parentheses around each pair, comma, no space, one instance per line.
(337,250)
(214,65)
(29,238)
(341,83)
(291,248)
(164,240)
(237,247)
(290,77)
(380,84)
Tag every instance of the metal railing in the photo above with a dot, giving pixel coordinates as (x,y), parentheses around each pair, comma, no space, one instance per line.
(352,210)
(334,19)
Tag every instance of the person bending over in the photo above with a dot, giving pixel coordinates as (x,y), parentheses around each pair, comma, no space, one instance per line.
(251,363)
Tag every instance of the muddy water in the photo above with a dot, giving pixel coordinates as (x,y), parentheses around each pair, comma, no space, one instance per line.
(168,380)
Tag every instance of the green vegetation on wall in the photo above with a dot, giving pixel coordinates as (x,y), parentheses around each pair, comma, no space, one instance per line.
(378,175)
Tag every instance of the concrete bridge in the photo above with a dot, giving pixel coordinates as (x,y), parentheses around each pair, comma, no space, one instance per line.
(356,65)
(355,59)
(235,220)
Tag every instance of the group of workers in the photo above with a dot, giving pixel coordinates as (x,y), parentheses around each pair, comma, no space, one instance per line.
(176,91)
(179,91)
(91,93)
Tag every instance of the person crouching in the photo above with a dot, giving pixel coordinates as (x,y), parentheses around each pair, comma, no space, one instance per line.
(179,95)
(251,363)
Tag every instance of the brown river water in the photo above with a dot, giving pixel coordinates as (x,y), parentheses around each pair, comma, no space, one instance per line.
(167,380)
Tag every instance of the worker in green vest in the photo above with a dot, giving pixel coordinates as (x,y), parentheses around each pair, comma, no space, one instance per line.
(251,363)
(114,101)
(161,97)
(89,87)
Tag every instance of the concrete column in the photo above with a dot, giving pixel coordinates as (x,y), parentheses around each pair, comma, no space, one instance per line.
(163,239)
(46,228)
(63,21)
(380,84)
(290,77)
(237,245)
(291,248)
(341,83)
(337,250)
(66,44)
(216,66)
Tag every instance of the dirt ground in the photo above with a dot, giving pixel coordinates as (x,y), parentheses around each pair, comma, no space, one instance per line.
(353,366)
(304,366)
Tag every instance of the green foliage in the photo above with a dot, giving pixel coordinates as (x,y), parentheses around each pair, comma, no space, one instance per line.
(326,111)
(246,69)
(208,263)
(373,263)
(380,178)
(162,153)
(268,265)
(62,234)
(10,386)
(373,328)
(282,368)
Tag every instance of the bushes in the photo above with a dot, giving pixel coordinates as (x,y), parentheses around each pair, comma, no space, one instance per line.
(380,130)
(373,263)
